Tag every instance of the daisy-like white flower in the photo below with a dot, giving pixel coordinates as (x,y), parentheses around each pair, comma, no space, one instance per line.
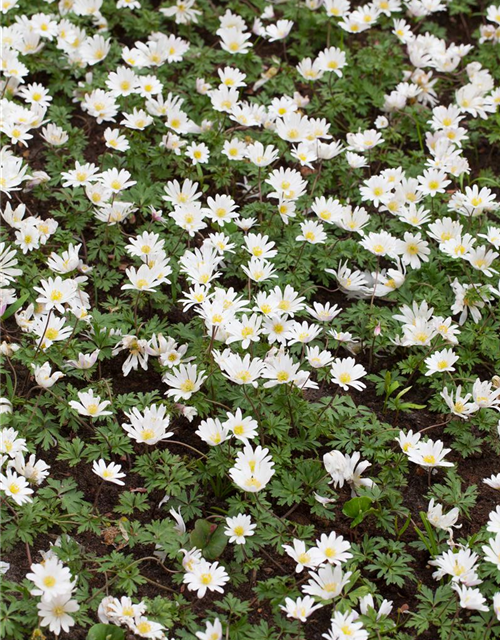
(492,551)
(440,361)
(459,405)
(239,528)
(115,140)
(327,583)
(413,250)
(55,613)
(198,153)
(90,405)
(146,628)
(212,432)
(10,442)
(243,429)
(35,471)
(439,519)
(184,381)
(56,292)
(312,232)
(205,577)
(408,441)
(333,549)
(149,426)
(213,631)
(381,244)
(493,525)
(303,557)
(460,565)
(111,472)
(44,376)
(470,598)
(433,181)
(85,361)
(346,373)
(253,469)
(430,454)
(15,487)
(51,578)
(301,608)
(345,627)
(493,481)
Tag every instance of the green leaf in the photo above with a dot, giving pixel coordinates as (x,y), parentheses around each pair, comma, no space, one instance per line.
(14,306)
(357,508)
(210,538)
(105,632)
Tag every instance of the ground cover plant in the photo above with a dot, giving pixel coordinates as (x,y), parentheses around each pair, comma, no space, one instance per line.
(250,310)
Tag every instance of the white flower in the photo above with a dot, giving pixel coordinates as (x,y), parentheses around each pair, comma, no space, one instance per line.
(150,426)
(333,549)
(184,381)
(301,608)
(212,432)
(213,631)
(492,551)
(430,454)
(303,557)
(253,469)
(44,377)
(51,578)
(90,405)
(15,487)
(346,373)
(54,613)
(470,598)
(110,472)
(146,628)
(344,627)
(239,527)
(205,576)
(439,519)
(440,361)
(327,583)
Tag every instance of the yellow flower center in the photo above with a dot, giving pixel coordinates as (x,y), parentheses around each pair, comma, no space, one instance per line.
(253,482)
(187,386)
(143,627)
